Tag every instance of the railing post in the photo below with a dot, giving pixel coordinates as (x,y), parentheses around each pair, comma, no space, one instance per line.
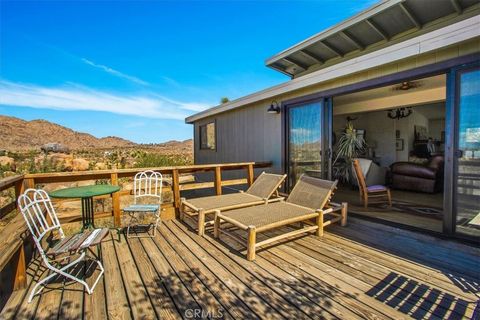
(250,176)
(176,188)
(29,183)
(20,280)
(115,201)
(19,189)
(218,180)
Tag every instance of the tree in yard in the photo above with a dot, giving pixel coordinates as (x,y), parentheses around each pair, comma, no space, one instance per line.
(224,100)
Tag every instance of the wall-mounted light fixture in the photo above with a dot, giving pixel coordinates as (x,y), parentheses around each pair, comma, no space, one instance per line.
(274,107)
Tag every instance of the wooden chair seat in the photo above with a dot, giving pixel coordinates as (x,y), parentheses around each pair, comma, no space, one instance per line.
(78,241)
(377,188)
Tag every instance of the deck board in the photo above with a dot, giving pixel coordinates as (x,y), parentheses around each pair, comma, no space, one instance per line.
(115,295)
(162,302)
(365,270)
(210,274)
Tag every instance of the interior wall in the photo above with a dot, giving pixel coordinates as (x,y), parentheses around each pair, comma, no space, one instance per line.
(380,131)
(406,126)
(435,128)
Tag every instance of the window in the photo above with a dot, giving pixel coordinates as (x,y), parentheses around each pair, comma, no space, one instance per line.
(208,136)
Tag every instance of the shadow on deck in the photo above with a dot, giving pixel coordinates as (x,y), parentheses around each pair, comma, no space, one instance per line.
(366,270)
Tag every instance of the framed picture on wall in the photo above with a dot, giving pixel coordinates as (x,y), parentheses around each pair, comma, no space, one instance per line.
(399,144)
(421,132)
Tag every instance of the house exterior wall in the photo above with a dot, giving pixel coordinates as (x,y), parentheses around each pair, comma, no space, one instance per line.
(249,133)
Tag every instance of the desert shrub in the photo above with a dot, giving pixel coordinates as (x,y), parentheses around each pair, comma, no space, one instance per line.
(147,160)
(102,181)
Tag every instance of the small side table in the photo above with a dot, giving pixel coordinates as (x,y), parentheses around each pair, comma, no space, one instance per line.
(86,194)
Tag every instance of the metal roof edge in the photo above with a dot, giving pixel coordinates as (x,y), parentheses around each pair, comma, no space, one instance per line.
(365,14)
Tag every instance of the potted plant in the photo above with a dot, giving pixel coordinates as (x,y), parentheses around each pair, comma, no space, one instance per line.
(348,147)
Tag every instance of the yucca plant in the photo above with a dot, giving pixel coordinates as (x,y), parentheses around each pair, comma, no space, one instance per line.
(349,146)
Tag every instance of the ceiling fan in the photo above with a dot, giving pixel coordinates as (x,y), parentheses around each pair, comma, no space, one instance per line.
(407,85)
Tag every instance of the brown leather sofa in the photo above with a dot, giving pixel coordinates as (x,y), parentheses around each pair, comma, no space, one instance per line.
(416,177)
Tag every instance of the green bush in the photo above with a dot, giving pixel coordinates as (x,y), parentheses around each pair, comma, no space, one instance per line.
(147,160)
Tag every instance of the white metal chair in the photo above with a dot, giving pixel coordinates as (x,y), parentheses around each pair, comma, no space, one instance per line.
(42,220)
(147,184)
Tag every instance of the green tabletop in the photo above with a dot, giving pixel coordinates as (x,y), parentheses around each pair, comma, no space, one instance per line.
(85,191)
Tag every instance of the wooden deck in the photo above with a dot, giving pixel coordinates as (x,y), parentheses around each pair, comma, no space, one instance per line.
(365,270)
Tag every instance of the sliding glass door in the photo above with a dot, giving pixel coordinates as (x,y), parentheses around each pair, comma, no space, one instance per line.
(304,141)
(467,153)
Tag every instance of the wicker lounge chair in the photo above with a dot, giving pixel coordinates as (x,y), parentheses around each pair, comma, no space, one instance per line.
(259,193)
(309,199)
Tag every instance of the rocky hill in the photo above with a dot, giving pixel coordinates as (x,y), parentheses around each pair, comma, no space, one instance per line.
(17,134)
(20,135)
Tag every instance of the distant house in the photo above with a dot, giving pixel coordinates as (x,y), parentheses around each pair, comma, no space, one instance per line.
(407,73)
(54,147)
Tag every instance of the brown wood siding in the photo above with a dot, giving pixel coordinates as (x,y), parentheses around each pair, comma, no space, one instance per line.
(249,133)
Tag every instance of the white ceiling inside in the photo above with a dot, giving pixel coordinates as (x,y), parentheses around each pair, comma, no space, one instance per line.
(430,90)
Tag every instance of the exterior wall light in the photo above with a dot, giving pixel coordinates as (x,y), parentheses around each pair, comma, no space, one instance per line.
(274,107)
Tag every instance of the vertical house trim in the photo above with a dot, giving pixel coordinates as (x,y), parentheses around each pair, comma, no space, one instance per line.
(450,127)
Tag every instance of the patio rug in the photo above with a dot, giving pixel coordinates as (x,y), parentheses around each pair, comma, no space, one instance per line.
(410,208)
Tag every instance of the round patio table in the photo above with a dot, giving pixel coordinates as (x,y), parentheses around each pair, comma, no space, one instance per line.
(86,193)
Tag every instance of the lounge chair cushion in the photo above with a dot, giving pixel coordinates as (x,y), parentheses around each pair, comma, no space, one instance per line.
(376,188)
(223,201)
(263,215)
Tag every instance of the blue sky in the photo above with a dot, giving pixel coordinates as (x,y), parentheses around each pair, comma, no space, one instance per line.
(137,69)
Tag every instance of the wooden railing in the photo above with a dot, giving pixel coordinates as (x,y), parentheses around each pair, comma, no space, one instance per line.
(14,236)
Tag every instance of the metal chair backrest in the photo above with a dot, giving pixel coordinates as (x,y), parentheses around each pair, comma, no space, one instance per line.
(147,184)
(40,216)
(312,192)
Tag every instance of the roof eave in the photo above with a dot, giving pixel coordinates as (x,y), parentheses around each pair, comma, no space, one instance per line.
(365,14)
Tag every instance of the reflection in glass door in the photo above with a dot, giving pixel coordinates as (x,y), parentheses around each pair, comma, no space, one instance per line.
(304,141)
(468,153)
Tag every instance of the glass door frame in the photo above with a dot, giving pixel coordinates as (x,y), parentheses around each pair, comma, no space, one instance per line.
(326,134)
(447,67)
(452,117)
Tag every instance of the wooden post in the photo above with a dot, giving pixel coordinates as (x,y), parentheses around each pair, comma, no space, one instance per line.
(250,175)
(115,201)
(176,188)
(319,232)
(344,214)
(20,280)
(218,180)
(216,225)
(201,222)
(29,183)
(180,210)
(19,189)
(252,235)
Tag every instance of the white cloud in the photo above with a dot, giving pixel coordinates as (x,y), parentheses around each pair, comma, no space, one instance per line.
(115,72)
(74,97)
